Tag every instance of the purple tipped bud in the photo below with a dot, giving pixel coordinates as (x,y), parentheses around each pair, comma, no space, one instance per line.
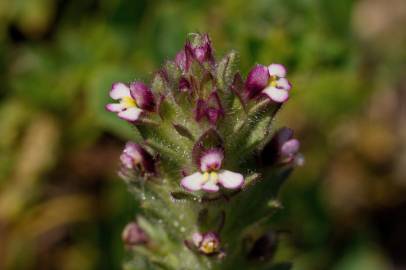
(133,235)
(184,85)
(211,108)
(136,157)
(181,60)
(257,80)
(143,96)
(201,48)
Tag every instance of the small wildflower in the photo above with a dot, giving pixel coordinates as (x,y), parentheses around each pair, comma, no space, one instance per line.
(269,81)
(207,243)
(133,235)
(134,156)
(211,175)
(133,100)
(283,148)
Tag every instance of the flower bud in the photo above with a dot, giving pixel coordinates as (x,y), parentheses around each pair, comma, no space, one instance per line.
(133,235)
(136,157)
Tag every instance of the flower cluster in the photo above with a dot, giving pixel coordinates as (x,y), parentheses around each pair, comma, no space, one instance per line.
(204,138)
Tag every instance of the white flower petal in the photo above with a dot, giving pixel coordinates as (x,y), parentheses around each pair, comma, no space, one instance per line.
(231,180)
(193,182)
(275,94)
(114,107)
(197,238)
(283,84)
(119,90)
(130,114)
(210,186)
(277,70)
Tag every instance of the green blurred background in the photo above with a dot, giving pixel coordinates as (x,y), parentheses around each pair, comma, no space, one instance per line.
(62,205)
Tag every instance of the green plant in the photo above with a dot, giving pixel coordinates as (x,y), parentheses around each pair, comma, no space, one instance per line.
(210,165)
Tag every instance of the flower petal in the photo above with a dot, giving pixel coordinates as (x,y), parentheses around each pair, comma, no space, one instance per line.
(197,239)
(290,147)
(114,107)
(119,90)
(257,80)
(231,180)
(283,83)
(127,161)
(130,114)
(210,186)
(277,70)
(143,96)
(275,94)
(211,159)
(192,182)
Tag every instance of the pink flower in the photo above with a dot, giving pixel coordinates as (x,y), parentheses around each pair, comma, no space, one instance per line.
(207,243)
(136,157)
(211,175)
(269,81)
(133,100)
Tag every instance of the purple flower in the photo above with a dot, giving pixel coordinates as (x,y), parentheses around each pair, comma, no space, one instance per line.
(201,48)
(207,243)
(133,100)
(210,108)
(269,81)
(133,235)
(283,148)
(136,157)
(210,174)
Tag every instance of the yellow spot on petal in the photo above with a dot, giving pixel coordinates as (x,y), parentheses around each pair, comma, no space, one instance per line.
(205,176)
(128,102)
(213,176)
(208,247)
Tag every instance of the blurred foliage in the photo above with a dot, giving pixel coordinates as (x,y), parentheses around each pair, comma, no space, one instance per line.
(61,204)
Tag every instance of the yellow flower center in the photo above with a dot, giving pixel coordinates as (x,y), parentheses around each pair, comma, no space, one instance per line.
(209,247)
(273,81)
(128,102)
(210,176)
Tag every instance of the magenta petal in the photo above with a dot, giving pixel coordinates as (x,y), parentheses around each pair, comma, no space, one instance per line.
(257,80)
(277,70)
(277,95)
(119,90)
(143,96)
(200,110)
(211,159)
(231,180)
(192,182)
